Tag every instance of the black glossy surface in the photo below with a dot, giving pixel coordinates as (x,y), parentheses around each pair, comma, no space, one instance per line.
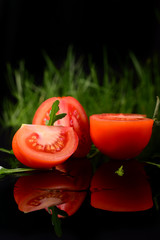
(86,222)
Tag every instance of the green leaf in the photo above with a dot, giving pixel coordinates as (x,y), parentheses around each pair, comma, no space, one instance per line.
(152,163)
(56,222)
(7,151)
(5,171)
(120,171)
(53,114)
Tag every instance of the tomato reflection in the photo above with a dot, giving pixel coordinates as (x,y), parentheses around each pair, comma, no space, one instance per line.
(64,187)
(128,193)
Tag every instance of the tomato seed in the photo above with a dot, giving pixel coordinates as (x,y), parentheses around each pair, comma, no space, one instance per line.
(34,144)
(52,148)
(34,137)
(49,148)
(34,203)
(39,147)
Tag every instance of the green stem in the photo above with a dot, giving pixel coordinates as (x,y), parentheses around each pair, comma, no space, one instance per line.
(15,170)
(155,114)
(6,151)
(154,164)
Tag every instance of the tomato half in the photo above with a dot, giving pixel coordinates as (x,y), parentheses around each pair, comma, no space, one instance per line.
(39,146)
(120,136)
(43,190)
(128,193)
(76,117)
(63,189)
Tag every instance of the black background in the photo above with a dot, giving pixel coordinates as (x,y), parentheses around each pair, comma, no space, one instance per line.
(30,27)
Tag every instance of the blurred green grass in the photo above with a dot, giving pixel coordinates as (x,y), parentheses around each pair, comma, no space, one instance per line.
(131,89)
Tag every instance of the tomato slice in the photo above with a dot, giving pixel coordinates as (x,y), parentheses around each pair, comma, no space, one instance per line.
(42,190)
(39,146)
(65,189)
(128,193)
(120,136)
(76,117)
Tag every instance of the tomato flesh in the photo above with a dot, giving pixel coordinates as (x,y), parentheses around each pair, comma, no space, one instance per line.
(76,117)
(120,136)
(39,146)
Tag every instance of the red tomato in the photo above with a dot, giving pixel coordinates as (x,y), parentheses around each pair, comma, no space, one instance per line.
(76,117)
(54,188)
(39,146)
(120,136)
(43,190)
(127,193)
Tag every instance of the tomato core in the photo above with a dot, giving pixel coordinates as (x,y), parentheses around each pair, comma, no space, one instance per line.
(40,144)
(55,196)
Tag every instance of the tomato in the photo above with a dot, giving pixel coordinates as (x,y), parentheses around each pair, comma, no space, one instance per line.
(39,146)
(120,136)
(43,190)
(76,117)
(128,193)
(54,188)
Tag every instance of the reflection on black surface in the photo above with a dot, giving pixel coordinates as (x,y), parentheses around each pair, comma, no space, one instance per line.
(64,187)
(88,221)
(128,193)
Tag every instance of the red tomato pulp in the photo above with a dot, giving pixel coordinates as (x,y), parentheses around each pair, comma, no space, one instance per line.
(76,117)
(39,146)
(120,136)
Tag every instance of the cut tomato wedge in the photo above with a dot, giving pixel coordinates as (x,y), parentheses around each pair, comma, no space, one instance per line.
(39,146)
(65,189)
(120,136)
(76,117)
(43,190)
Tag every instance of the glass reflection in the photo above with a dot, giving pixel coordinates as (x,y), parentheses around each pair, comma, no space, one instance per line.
(128,191)
(64,187)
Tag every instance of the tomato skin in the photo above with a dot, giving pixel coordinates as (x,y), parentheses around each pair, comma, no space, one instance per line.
(120,136)
(42,113)
(128,193)
(37,153)
(76,117)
